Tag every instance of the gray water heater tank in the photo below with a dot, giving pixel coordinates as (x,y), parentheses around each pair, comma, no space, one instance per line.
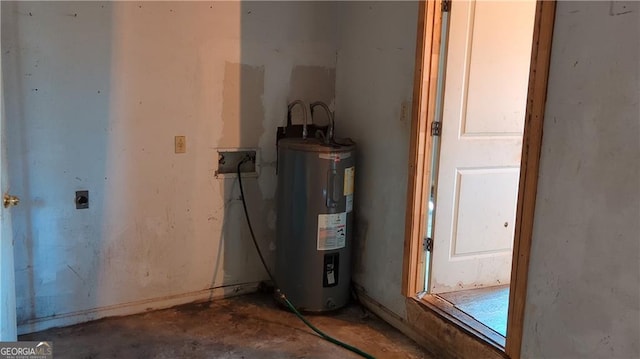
(315,222)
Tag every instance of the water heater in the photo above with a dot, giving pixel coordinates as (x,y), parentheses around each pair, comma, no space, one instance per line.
(315,222)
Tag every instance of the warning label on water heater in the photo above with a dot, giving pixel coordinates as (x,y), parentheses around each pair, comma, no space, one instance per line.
(332,231)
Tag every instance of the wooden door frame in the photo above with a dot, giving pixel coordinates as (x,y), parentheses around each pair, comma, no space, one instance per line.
(423,114)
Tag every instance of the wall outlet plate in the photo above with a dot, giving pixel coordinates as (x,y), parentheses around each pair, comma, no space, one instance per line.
(82,199)
(180,144)
(228,159)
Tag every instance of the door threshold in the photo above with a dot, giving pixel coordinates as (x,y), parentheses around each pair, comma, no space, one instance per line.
(464,321)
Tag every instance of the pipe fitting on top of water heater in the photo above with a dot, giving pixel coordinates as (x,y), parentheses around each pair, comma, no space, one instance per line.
(304,115)
(329,136)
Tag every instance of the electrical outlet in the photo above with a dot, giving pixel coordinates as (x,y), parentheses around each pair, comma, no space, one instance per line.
(180,144)
(82,199)
(404,111)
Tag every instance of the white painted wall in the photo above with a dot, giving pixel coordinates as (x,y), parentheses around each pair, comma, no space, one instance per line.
(583,296)
(96,93)
(117,81)
(374,78)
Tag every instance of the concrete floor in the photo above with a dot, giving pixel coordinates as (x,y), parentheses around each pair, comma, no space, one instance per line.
(251,326)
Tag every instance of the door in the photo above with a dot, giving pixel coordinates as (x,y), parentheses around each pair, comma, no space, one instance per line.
(8,330)
(486,80)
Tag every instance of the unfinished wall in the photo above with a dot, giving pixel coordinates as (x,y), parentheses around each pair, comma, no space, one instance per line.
(374,81)
(96,93)
(583,296)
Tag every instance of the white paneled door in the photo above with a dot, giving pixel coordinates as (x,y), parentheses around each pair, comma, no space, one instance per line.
(487,70)
(8,330)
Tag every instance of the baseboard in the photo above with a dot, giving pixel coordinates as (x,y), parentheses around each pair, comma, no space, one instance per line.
(391,318)
(62,320)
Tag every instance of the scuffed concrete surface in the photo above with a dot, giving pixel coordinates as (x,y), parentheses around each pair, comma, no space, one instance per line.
(251,326)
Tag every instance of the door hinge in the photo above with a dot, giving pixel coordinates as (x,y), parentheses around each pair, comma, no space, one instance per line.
(436,128)
(427,244)
(445,5)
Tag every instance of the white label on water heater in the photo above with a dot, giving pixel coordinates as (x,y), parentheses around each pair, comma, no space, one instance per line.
(331,278)
(350,203)
(349,174)
(332,231)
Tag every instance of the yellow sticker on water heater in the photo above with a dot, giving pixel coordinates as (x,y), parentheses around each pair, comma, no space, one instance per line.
(349,174)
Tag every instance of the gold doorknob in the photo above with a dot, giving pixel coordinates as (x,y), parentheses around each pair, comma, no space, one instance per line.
(10,201)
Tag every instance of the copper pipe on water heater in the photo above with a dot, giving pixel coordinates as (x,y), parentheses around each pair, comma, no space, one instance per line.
(304,115)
